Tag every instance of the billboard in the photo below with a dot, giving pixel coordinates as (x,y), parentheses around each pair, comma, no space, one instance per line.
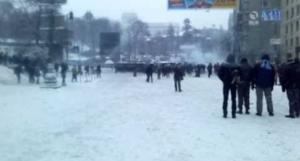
(201,4)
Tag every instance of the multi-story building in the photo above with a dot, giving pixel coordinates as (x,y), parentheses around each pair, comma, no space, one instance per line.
(257,28)
(290,27)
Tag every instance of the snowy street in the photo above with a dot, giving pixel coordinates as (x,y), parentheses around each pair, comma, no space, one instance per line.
(121,118)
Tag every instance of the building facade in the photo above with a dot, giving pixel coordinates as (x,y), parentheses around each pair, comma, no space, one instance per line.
(290,28)
(257,29)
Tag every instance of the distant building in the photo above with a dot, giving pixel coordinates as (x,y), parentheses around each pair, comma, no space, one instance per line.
(290,27)
(162,28)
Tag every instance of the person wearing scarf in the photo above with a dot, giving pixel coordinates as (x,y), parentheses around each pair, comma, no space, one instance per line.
(263,81)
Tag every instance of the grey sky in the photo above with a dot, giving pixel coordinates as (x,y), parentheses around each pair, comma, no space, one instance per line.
(149,11)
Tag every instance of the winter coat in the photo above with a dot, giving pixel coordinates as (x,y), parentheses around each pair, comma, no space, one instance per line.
(290,75)
(178,74)
(228,73)
(246,73)
(264,75)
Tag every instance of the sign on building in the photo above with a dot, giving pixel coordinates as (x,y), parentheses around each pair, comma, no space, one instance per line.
(253,18)
(271,15)
(275,41)
(201,4)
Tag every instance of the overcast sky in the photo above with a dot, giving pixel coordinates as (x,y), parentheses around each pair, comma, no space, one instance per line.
(148,11)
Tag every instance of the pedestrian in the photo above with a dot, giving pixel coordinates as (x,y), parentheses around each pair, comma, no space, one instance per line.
(289,81)
(159,71)
(64,70)
(56,68)
(74,74)
(244,86)
(99,71)
(178,77)
(149,73)
(18,72)
(263,81)
(37,74)
(87,72)
(228,74)
(209,70)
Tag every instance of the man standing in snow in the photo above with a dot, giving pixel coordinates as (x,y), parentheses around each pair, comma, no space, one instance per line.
(64,69)
(244,86)
(229,75)
(290,80)
(18,71)
(178,77)
(209,70)
(264,80)
(149,73)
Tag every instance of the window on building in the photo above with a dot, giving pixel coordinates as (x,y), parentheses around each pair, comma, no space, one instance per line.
(298,10)
(292,29)
(297,26)
(287,15)
(297,41)
(292,12)
(286,29)
(292,43)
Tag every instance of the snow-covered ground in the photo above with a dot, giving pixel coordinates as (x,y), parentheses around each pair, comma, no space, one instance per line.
(121,118)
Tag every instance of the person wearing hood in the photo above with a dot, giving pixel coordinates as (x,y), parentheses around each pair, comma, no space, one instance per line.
(229,75)
(244,86)
(263,81)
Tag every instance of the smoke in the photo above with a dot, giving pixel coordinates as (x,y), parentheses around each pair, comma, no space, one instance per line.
(192,54)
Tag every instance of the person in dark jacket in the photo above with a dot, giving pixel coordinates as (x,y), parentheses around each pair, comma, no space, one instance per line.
(229,75)
(289,80)
(178,77)
(244,86)
(64,70)
(149,73)
(74,74)
(99,71)
(264,80)
(18,71)
(209,70)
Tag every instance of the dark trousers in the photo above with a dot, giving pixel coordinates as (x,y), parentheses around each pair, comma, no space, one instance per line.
(177,85)
(244,96)
(19,78)
(149,78)
(63,76)
(232,89)
(294,98)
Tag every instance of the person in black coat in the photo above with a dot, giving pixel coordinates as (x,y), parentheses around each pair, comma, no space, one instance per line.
(178,77)
(149,73)
(229,75)
(289,79)
(209,70)
(18,72)
(64,70)
(244,86)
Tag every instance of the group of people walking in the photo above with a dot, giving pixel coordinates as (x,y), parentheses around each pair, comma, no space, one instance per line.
(239,79)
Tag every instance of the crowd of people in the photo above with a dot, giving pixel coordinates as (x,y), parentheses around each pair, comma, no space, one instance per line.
(36,68)
(179,71)
(239,79)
